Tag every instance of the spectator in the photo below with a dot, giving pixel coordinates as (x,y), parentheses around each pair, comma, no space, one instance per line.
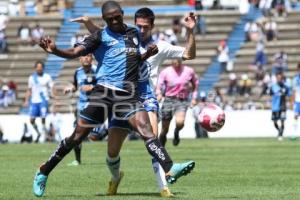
(3,96)
(27,135)
(280,62)
(2,141)
(253,31)
(244,7)
(14,8)
(200,132)
(36,33)
(12,86)
(233,86)
(260,59)
(3,42)
(171,34)
(24,34)
(3,21)
(223,55)
(55,120)
(218,97)
(271,29)
(264,84)
(265,6)
(245,85)
(201,25)
(77,39)
(280,8)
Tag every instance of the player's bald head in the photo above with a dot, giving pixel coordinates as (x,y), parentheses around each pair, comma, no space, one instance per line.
(110,5)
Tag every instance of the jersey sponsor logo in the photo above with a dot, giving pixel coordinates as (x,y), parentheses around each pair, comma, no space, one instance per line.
(117,51)
(113,42)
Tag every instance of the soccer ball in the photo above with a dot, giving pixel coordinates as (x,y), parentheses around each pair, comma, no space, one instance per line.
(211,117)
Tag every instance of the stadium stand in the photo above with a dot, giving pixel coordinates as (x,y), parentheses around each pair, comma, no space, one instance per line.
(18,63)
(288,34)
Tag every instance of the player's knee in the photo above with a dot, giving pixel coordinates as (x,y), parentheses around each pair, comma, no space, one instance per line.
(112,153)
(179,125)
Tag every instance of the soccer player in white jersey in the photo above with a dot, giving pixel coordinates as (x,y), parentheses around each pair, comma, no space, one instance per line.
(296,94)
(118,130)
(37,96)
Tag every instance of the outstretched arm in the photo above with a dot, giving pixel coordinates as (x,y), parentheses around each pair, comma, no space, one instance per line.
(190,49)
(50,47)
(88,23)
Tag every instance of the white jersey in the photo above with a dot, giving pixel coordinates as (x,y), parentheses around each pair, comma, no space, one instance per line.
(40,87)
(165,51)
(296,87)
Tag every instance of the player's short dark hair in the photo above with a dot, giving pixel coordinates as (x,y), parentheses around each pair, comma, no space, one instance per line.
(145,13)
(39,62)
(108,5)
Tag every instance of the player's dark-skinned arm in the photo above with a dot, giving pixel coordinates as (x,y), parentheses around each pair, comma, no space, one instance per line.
(151,51)
(88,23)
(50,47)
(190,49)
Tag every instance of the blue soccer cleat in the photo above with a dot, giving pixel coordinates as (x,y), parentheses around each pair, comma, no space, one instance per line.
(39,184)
(178,170)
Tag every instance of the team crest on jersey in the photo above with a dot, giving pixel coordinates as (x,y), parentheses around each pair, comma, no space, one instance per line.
(135,41)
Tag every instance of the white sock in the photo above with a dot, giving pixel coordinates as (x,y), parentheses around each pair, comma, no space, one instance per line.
(160,175)
(295,125)
(113,165)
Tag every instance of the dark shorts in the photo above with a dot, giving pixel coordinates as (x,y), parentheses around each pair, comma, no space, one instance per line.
(278,115)
(149,104)
(104,102)
(172,106)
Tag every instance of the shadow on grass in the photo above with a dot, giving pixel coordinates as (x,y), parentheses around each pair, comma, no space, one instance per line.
(147,194)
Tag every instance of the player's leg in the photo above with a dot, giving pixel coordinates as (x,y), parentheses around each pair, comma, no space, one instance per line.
(93,115)
(65,146)
(34,111)
(158,170)
(43,114)
(116,137)
(166,115)
(296,115)
(165,124)
(180,112)
(180,117)
(77,152)
(140,122)
(282,120)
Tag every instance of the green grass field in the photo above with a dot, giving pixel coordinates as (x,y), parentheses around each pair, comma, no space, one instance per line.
(225,169)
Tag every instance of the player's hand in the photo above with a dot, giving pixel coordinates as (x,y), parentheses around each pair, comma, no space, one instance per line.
(67,90)
(82,19)
(159,97)
(152,50)
(87,88)
(189,21)
(47,44)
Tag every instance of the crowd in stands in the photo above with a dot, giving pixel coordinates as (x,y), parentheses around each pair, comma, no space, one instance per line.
(8,93)
(28,35)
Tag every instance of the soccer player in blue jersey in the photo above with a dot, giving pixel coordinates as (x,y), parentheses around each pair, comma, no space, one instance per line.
(116,48)
(280,91)
(118,129)
(37,96)
(84,81)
